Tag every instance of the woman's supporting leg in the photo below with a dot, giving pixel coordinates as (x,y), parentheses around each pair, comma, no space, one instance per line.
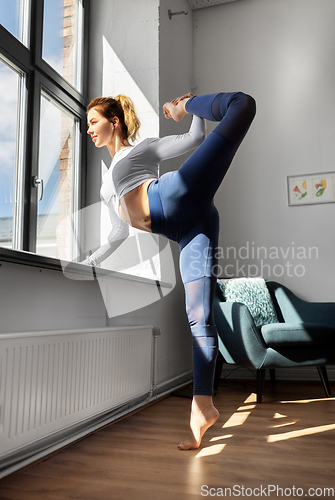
(199,307)
(199,301)
(197,267)
(203,415)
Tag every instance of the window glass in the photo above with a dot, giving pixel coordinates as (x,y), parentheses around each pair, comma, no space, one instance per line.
(62,38)
(39,143)
(14,17)
(58,132)
(10,154)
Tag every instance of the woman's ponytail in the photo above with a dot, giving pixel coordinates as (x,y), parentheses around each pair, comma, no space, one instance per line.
(130,118)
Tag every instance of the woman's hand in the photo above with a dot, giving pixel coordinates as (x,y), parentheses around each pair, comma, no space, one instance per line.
(173,110)
(166,110)
(178,99)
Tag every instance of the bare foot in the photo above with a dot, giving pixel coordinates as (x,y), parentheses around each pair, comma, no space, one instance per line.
(202,417)
(175,111)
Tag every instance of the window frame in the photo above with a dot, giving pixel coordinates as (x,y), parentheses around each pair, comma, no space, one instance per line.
(41,77)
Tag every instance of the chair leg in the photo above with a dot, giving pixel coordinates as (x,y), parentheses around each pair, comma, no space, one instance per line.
(260,383)
(273,376)
(324,379)
(218,370)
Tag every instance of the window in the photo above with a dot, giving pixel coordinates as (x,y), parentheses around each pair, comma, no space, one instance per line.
(57,171)
(62,38)
(14,16)
(12,108)
(42,123)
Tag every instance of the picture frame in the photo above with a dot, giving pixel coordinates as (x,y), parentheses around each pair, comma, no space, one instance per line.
(310,189)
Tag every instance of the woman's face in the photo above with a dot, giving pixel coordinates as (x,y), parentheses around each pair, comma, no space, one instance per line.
(100,129)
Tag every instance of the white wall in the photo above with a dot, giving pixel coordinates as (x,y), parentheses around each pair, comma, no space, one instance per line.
(281,52)
(37,299)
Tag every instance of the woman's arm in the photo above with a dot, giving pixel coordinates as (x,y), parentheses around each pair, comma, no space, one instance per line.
(118,234)
(176,145)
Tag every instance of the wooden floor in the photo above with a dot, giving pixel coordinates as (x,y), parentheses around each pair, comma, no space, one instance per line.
(286,443)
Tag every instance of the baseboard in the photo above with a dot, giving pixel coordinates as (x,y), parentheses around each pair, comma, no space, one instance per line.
(173,384)
(308,373)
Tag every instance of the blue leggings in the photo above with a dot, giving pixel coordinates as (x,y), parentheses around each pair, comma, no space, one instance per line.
(182,209)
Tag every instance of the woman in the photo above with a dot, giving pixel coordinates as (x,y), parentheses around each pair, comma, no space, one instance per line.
(178,205)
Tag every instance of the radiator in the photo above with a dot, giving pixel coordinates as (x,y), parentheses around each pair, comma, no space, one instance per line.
(50,381)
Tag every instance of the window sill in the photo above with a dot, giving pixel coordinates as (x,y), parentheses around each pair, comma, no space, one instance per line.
(31,259)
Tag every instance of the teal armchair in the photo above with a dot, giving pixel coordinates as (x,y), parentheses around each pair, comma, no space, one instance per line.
(302,335)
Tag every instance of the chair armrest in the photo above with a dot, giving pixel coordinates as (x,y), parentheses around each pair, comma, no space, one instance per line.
(278,335)
(240,342)
(296,310)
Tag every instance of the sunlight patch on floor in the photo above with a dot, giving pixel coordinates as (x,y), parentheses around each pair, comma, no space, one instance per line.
(283,425)
(308,400)
(226,436)
(249,407)
(210,450)
(237,419)
(280,415)
(302,432)
(240,416)
(252,398)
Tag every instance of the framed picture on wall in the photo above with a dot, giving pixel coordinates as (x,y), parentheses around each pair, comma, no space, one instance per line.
(311,188)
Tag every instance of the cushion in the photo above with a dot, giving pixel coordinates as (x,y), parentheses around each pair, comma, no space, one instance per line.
(290,334)
(252,292)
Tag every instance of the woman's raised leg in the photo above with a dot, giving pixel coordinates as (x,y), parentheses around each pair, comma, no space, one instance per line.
(205,169)
(234,110)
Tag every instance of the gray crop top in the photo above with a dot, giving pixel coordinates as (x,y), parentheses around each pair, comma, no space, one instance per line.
(130,168)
